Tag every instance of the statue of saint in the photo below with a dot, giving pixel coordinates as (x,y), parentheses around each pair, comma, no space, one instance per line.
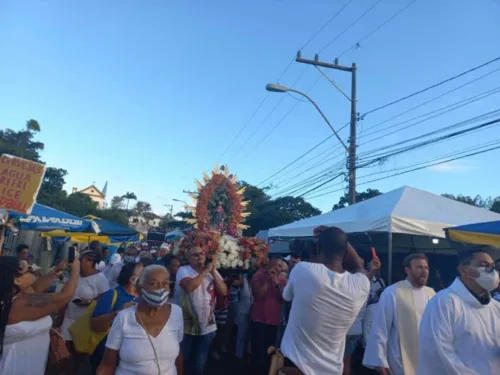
(219,217)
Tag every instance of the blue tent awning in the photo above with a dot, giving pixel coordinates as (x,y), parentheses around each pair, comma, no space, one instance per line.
(44,219)
(108,228)
(487,234)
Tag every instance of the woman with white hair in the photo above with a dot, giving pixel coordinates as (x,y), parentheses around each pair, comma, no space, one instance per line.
(153,325)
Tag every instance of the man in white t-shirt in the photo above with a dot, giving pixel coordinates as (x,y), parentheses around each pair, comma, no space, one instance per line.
(326,300)
(197,286)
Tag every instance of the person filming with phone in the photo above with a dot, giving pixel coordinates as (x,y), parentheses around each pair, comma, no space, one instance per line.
(25,320)
(91,285)
(326,300)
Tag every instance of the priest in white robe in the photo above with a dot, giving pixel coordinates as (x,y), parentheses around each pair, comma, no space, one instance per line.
(460,329)
(392,346)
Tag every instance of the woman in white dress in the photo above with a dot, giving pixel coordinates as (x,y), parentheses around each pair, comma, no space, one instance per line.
(153,325)
(25,319)
(91,285)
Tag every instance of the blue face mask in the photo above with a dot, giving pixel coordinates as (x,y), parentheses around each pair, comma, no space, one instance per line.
(155,298)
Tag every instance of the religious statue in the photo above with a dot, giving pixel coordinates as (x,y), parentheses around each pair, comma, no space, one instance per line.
(219,217)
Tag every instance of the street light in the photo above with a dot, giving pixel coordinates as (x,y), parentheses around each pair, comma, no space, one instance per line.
(180,201)
(274,87)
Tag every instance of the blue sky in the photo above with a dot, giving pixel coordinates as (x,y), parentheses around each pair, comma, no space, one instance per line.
(148,94)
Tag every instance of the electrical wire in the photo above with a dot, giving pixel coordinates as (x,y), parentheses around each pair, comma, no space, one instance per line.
(350,26)
(452,154)
(454,106)
(280,121)
(267,117)
(296,160)
(414,169)
(358,44)
(324,183)
(244,126)
(435,140)
(325,25)
(434,98)
(432,86)
(385,156)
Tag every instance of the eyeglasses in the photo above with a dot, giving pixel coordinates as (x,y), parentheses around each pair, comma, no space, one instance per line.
(489,268)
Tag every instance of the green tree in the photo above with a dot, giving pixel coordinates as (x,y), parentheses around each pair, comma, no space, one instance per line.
(344,200)
(51,191)
(476,201)
(142,208)
(117,203)
(277,212)
(114,215)
(79,204)
(129,197)
(21,143)
(495,206)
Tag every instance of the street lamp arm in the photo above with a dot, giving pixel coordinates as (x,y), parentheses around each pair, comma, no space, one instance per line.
(322,114)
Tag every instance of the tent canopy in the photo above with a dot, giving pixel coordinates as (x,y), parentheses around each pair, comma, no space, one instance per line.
(44,219)
(476,234)
(108,228)
(405,210)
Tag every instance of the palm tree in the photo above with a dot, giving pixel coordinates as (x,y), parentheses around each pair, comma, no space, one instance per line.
(129,196)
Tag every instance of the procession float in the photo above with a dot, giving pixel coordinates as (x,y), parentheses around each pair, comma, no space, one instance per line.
(219,214)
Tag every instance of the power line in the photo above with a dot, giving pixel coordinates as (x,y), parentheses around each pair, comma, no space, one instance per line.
(414,169)
(455,153)
(485,116)
(296,160)
(455,106)
(350,26)
(325,25)
(432,86)
(266,118)
(435,140)
(280,121)
(433,99)
(384,156)
(358,44)
(324,183)
(244,126)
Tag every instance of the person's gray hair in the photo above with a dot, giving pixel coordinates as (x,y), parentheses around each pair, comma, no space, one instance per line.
(147,270)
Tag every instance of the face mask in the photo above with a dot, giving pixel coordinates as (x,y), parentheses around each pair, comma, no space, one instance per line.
(129,259)
(487,280)
(156,298)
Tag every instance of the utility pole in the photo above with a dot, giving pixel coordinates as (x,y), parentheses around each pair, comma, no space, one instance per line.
(351,160)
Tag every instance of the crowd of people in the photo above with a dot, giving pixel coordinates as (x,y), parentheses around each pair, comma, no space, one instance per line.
(320,311)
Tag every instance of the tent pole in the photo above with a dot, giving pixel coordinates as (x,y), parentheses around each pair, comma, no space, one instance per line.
(389,258)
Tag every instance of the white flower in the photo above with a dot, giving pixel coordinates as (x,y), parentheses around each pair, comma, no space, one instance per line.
(234,263)
(240,263)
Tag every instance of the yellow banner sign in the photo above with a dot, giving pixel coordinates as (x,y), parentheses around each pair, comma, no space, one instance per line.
(20,180)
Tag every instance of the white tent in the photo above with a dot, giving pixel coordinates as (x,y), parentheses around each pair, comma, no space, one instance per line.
(405,210)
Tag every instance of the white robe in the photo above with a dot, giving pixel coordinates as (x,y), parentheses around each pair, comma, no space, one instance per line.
(383,346)
(459,335)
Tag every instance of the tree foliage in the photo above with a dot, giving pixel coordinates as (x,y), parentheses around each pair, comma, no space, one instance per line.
(21,143)
(266,212)
(360,196)
(488,203)
(142,209)
(117,203)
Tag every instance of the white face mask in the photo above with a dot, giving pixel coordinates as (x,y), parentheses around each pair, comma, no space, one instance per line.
(487,280)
